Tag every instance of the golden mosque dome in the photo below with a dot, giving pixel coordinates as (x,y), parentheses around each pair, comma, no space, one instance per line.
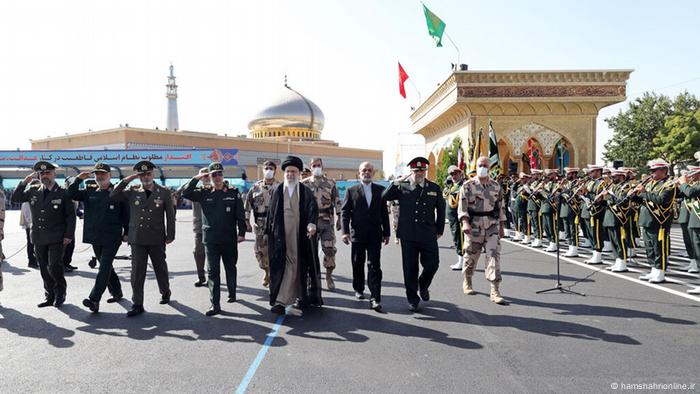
(290,115)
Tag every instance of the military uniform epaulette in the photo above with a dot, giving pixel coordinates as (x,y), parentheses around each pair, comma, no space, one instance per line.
(670,183)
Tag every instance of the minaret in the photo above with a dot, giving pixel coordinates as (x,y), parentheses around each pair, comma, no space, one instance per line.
(171,94)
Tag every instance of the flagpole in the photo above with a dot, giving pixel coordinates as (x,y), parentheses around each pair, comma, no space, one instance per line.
(454,45)
(417,91)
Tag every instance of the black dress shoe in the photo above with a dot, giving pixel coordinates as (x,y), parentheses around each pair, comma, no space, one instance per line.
(59,301)
(91,305)
(213,310)
(413,307)
(92,263)
(424,294)
(135,311)
(114,299)
(165,298)
(48,302)
(33,265)
(200,283)
(231,300)
(277,309)
(68,268)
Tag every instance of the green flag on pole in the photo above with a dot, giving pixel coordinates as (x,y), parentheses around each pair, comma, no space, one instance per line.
(435,25)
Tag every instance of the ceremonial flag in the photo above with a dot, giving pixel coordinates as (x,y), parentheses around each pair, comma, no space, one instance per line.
(476,152)
(494,159)
(402,79)
(435,25)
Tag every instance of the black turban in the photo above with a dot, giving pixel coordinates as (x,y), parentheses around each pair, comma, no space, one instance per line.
(292,161)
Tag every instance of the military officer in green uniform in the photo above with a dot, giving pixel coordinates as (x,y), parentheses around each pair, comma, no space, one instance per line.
(683,220)
(223,227)
(151,227)
(592,213)
(520,193)
(549,208)
(106,224)
(655,217)
(421,223)
(691,192)
(451,194)
(569,211)
(53,227)
(533,207)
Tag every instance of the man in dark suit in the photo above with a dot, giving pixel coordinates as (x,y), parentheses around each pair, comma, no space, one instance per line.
(421,223)
(53,227)
(365,222)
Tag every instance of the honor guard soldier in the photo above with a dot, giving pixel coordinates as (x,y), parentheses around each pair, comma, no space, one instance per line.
(592,213)
(482,214)
(520,194)
(451,194)
(151,227)
(200,256)
(657,196)
(257,201)
(223,227)
(690,190)
(106,225)
(421,223)
(616,216)
(53,227)
(533,207)
(549,208)
(686,209)
(328,201)
(569,210)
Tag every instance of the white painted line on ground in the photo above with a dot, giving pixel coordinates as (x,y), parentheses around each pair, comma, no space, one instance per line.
(603,271)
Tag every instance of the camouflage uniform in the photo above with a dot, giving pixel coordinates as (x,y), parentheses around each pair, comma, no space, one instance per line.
(482,205)
(258,201)
(327,199)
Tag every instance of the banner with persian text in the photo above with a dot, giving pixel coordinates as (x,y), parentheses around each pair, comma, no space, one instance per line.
(118,158)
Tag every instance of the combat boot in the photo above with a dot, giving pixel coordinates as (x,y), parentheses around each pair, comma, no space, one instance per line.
(619,266)
(467,286)
(496,295)
(329,279)
(536,243)
(572,252)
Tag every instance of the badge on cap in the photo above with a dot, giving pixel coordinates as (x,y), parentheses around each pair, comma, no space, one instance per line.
(43,167)
(144,167)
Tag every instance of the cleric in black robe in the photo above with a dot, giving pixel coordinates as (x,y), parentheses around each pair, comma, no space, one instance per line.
(294,267)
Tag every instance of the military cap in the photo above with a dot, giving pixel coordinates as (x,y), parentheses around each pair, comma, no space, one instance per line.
(452,169)
(144,166)
(535,171)
(101,167)
(550,171)
(204,170)
(657,163)
(693,168)
(44,166)
(418,163)
(524,175)
(618,171)
(571,169)
(294,162)
(594,167)
(270,163)
(607,170)
(215,167)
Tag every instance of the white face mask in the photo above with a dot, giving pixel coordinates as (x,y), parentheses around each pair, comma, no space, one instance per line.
(482,172)
(317,171)
(268,174)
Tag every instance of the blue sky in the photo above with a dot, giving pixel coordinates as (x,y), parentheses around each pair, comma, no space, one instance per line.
(70,66)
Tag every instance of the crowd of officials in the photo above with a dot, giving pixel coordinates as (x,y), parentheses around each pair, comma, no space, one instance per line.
(606,208)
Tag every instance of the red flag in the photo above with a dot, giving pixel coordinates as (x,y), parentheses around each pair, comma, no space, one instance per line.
(531,154)
(402,79)
(460,158)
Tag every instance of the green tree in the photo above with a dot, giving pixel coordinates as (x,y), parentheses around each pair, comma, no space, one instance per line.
(680,138)
(634,130)
(449,157)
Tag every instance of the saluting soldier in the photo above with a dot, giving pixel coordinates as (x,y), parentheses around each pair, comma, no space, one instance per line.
(200,256)
(151,227)
(421,223)
(53,227)
(482,214)
(257,201)
(451,194)
(692,193)
(106,225)
(616,216)
(223,228)
(655,217)
(328,202)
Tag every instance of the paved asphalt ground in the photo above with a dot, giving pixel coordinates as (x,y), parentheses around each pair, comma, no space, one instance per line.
(620,333)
